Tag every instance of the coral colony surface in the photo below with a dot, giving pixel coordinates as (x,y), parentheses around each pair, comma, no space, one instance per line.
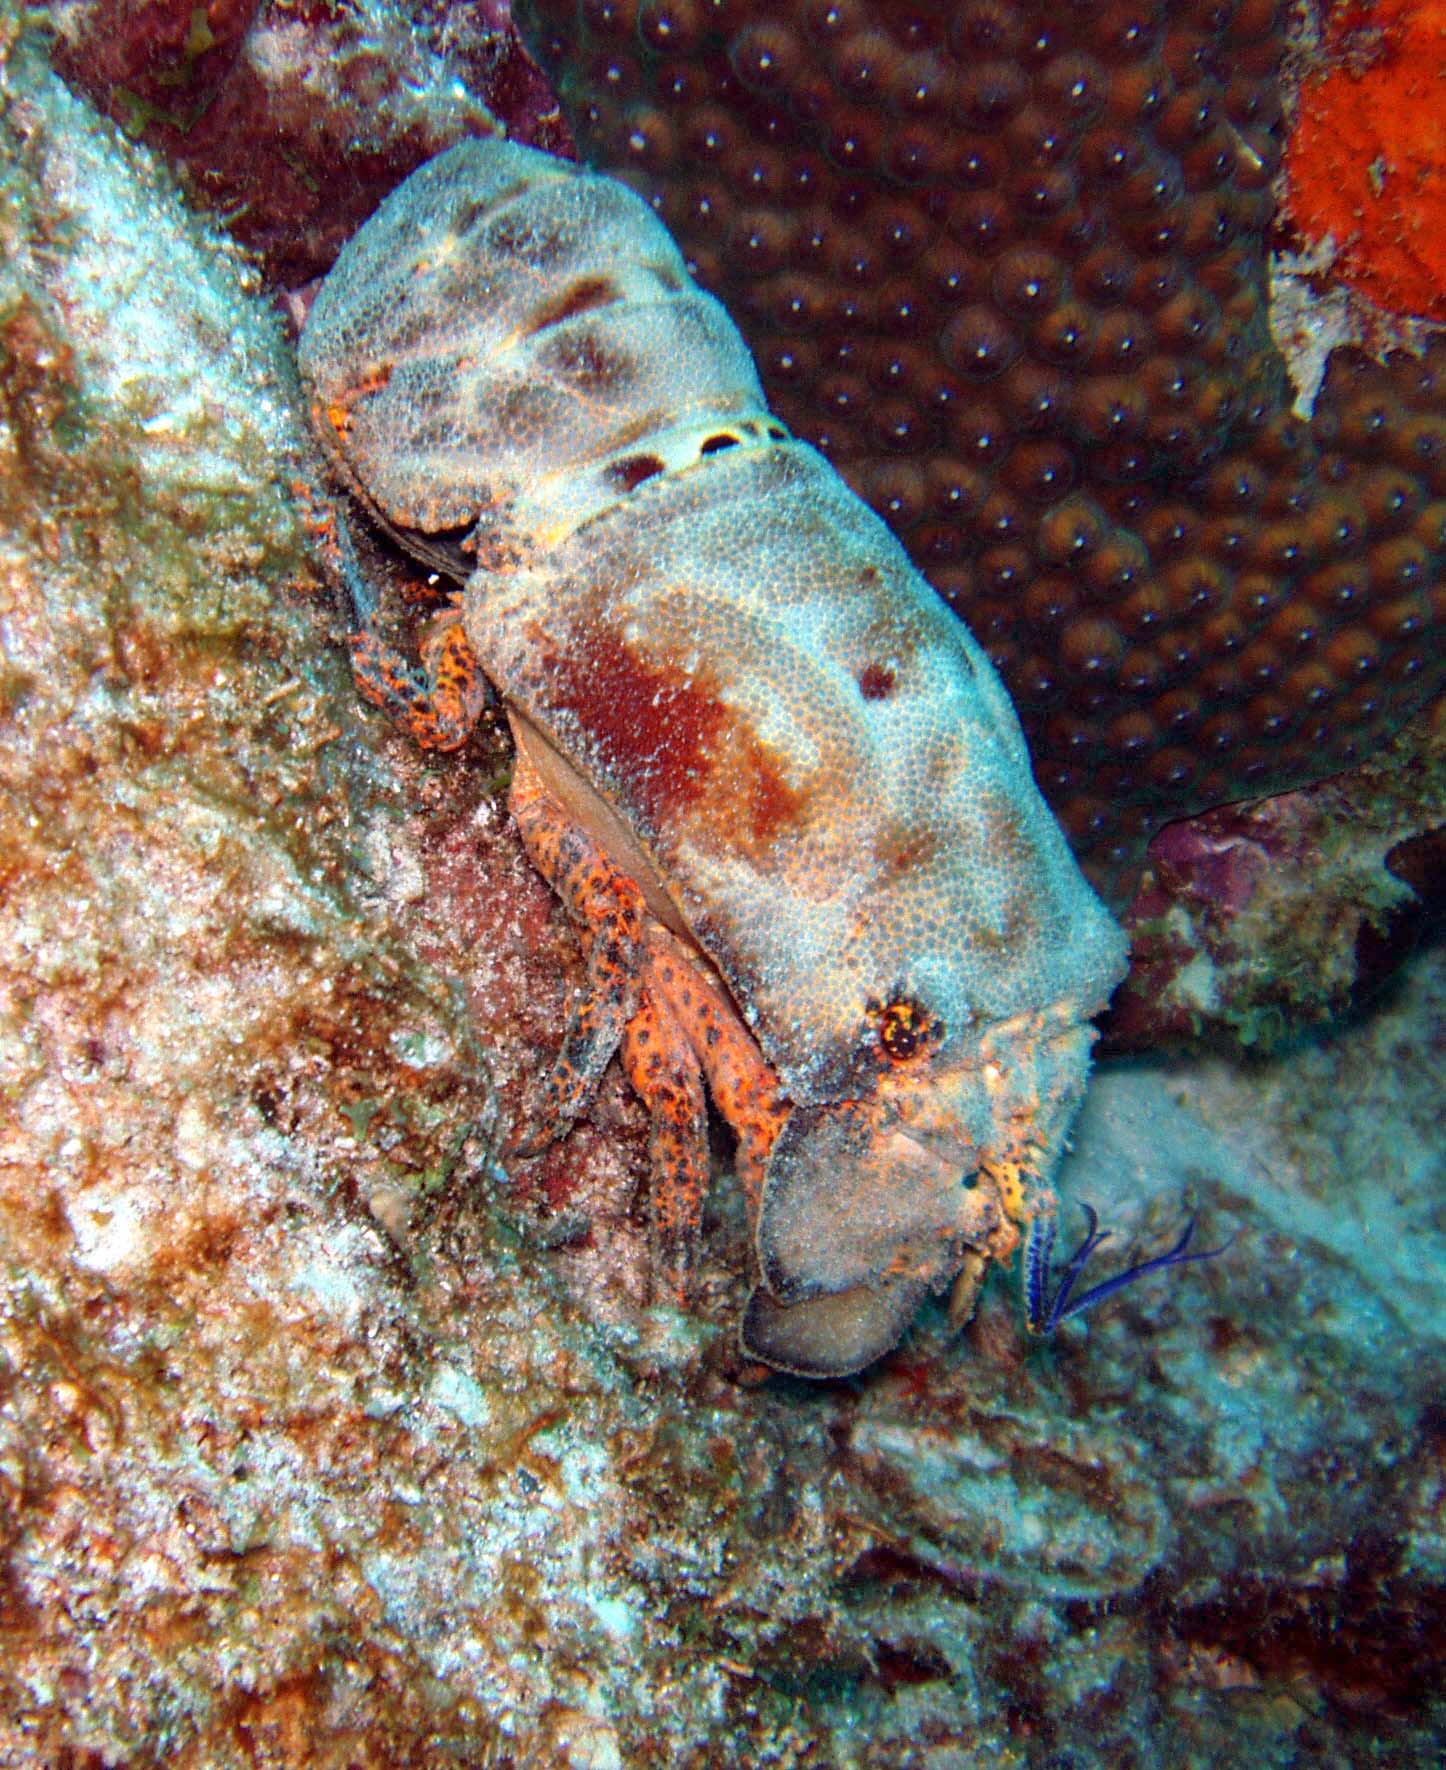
(333,1435)
(1006,264)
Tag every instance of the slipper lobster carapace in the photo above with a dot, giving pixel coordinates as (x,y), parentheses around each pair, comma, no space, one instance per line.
(776,782)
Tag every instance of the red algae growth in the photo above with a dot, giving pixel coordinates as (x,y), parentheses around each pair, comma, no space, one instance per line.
(1365,159)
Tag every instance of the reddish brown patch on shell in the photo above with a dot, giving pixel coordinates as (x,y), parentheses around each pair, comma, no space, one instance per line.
(654,729)
(671,742)
(587,364)
(631,472)
(903,850)
(581,296)
(771,805)
(876,682)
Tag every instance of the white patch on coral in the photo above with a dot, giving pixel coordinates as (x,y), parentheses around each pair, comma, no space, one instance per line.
(619,1619)
(1310,316)
(142,297)
(195,1136)
(108,1227)
(461,1396)
(329,1270)
(1307,325)
(1196,986)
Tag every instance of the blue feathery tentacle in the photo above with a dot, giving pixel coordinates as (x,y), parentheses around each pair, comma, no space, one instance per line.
(1038,1254)
(1078,1260)
(1046,1309)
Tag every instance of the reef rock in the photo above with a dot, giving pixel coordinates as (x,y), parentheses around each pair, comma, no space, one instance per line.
(291,122)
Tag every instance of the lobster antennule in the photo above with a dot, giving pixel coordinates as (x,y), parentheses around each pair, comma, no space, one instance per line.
(1046,1309)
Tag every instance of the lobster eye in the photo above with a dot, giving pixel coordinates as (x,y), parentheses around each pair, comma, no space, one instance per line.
(906,1029)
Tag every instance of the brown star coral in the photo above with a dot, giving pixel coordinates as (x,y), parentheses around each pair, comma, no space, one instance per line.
(1005,265)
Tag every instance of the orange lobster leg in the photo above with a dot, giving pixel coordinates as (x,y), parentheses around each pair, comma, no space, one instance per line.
(438,704)
(608,909)
(660,1064)
(744,1088)
(672,1021)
